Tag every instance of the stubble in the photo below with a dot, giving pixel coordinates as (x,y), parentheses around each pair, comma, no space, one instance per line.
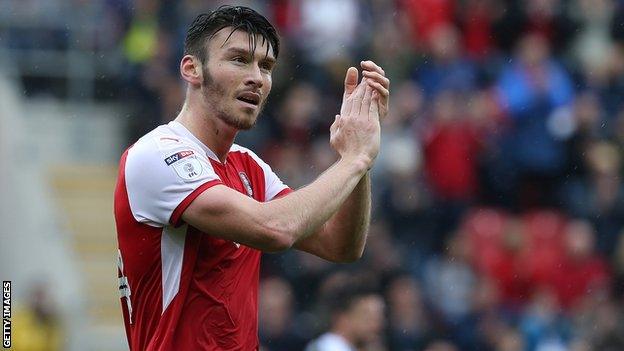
(215,94)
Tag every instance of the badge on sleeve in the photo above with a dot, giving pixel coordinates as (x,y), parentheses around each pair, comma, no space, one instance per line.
(185,164)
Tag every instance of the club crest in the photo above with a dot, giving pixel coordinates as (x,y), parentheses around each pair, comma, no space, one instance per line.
(246,183)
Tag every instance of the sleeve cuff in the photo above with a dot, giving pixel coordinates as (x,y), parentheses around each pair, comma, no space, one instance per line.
(284,192)
(176,216)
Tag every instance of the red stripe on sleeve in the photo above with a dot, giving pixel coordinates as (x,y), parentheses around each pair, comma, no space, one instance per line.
(283,193)
(177,213)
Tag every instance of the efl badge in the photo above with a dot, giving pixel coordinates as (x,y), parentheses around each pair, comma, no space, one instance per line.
(185,164)
(246,183)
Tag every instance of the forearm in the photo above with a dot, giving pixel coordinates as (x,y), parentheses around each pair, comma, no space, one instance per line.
(304,211)
(343,237)
(349,226)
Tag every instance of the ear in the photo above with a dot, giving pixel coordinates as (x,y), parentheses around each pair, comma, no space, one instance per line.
(191,70)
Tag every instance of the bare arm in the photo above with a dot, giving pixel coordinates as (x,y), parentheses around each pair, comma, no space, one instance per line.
(278,224)
(343,237)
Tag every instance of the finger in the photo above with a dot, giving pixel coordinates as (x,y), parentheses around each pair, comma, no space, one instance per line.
(347,103)
(358,96)
(385,93)
(350,82)
(376,76)
(373,109)
(372,66)
(366,100)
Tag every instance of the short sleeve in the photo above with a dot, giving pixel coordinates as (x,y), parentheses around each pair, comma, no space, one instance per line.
(273,185)
(162,179)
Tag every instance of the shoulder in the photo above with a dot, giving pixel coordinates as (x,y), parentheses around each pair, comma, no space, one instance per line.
(164,156)
(162,169)
(160,141)
(162,146)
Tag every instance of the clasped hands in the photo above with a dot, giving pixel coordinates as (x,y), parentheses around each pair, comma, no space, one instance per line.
(355,132)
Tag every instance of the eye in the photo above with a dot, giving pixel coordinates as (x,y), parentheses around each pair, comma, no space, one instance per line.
(239,59)
(265,66)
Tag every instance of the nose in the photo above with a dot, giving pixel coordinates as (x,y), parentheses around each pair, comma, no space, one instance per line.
(254,77)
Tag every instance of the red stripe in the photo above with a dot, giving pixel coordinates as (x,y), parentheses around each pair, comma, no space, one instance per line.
(177,213)
(283,193)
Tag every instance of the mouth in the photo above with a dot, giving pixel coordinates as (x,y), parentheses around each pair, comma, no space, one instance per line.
(249,98)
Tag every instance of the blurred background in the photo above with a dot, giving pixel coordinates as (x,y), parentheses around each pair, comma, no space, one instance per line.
(498,193)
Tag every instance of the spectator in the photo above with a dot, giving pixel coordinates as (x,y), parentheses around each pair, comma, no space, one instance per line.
(543,324)
(37,325)
(446,67)
(531,87)
(452,146)
(599,196)
(408,317)
(581,271)
(357,322)
(276,309)
(440,345)
(449,280)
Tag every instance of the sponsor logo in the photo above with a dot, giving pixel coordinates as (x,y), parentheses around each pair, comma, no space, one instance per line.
(246,183)
(177,157)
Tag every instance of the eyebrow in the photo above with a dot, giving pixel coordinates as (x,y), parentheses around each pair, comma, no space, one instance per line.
(247,53)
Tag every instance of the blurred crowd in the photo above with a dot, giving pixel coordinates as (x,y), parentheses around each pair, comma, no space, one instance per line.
(498,195)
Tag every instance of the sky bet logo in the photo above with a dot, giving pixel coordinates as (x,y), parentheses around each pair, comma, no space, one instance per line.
(6,314)
(177,157)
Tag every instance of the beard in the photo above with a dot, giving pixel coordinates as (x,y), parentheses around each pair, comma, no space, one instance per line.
(215,95)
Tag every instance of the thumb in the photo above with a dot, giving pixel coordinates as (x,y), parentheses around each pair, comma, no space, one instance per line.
(351,79)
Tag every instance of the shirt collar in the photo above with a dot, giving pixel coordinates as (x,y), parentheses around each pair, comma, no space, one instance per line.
(182,130)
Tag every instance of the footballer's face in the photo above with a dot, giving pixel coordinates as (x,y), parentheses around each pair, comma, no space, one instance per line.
(236,78)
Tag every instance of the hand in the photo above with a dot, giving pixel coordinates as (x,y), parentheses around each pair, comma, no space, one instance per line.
(355,134)
(376,78)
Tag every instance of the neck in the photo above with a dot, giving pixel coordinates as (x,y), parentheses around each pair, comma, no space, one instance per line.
(208,128)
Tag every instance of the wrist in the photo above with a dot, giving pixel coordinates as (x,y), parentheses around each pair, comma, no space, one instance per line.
(359,164)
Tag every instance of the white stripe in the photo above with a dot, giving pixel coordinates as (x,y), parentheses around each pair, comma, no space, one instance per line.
(171,253)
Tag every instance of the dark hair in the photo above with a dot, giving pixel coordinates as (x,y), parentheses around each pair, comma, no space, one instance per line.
(205,26)
(343,299)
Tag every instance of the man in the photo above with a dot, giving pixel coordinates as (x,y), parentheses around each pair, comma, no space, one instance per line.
(194,211)
(357,321)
